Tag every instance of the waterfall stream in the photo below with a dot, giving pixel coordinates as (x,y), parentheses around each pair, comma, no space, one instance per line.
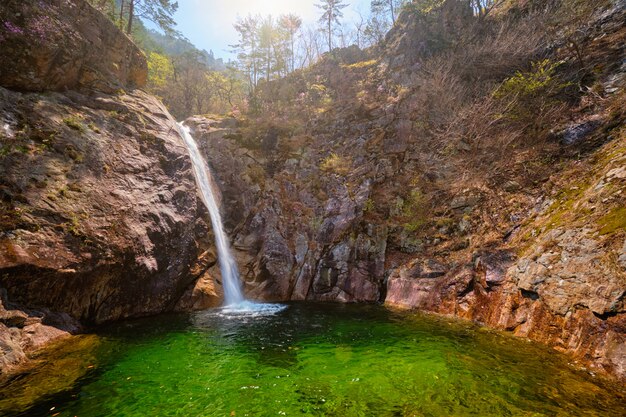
(228,267)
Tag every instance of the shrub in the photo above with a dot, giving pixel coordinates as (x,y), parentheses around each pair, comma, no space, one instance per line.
(336,164)
(529,98)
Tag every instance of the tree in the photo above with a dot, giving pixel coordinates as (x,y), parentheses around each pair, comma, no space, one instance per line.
(157,11)
(291,24)
(247,48)
(266,43)
(376,28)
(387,6)
(160,71)
(332,13)
(482,7)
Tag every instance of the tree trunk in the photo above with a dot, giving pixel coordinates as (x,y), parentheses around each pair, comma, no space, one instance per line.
(269,62)
(330,17)
(293,54)
(121,22)
(131,11)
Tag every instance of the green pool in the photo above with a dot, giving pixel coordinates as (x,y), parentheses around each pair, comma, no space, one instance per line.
(308,359)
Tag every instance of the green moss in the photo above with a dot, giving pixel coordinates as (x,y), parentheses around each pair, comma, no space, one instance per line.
(75,123)
(414,225)
(613,221)
(73,225)
(565,205)
(362,64)
(93,127)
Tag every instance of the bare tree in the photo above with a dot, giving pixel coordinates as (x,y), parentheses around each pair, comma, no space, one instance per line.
(291,23)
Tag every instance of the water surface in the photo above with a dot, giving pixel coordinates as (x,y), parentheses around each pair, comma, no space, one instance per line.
(316,360)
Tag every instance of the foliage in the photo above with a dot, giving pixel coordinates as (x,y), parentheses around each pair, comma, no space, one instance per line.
(388,7)
(336,164)
(330,17)
(187,86)
(266,48)
(160,70)
(526,97)
(362,64)
(411,210)
(157,11)
(126,13)
(423,6)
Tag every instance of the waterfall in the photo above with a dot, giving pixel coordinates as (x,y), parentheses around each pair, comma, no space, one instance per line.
(228,267)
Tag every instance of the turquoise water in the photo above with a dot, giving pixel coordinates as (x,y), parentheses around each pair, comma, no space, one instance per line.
(316,360)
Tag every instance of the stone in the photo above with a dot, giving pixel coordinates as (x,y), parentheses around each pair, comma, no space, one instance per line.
(66,44)
(511,186)
(577,132)
(67,255)
(463,201)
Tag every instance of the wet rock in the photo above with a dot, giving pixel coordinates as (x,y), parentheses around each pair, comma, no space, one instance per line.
(23,332)
(577,132)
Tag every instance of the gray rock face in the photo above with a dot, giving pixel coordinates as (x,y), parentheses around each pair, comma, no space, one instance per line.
(290,244)
(579,131)
(570,275)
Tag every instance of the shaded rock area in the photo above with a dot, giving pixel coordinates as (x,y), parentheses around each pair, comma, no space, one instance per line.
(65,44)
(289,244)
(23,330)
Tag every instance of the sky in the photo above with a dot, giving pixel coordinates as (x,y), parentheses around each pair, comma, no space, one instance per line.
(208,24)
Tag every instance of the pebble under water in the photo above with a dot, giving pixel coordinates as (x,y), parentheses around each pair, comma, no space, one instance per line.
(308,359)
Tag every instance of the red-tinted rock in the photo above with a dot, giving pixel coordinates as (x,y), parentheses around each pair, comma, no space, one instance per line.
(65,44)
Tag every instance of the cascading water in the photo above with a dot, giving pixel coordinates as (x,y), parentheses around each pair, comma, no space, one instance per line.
(234,301)
(228,267)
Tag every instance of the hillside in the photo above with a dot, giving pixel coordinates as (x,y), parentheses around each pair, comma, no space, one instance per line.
(466,167)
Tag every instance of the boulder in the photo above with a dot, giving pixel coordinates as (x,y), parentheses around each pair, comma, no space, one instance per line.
(65,44)
(100,213)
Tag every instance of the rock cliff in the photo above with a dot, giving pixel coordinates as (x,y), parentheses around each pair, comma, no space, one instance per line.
(398,179)
(99,216)
(55,45)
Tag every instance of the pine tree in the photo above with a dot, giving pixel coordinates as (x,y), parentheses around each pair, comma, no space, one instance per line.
(389,7)
(332,13)
(157,11)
